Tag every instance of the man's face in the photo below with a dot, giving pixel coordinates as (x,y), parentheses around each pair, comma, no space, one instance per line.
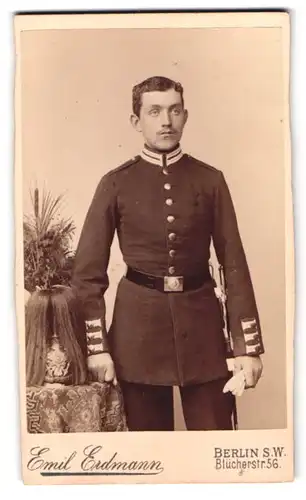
(162,119)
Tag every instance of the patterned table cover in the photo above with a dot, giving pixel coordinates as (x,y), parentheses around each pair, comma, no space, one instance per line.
(94,407)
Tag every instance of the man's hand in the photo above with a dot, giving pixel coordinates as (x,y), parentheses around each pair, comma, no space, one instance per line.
(102,367)
(252,367)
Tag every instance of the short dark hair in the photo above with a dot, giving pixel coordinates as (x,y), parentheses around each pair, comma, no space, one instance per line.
(154,83)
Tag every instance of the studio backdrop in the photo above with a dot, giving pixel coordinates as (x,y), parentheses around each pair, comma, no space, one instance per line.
(76,103)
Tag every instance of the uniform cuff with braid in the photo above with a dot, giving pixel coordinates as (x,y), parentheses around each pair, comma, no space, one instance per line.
(249,342)
(96,337)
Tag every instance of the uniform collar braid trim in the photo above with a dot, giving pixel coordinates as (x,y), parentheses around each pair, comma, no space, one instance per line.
(161,159)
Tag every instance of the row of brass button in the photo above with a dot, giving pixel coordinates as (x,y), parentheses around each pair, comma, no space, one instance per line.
(170,219)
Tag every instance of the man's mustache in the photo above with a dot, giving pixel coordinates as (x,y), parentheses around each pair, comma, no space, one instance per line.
(167,131)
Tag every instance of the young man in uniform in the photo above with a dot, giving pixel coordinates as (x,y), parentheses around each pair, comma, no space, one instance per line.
(167,329)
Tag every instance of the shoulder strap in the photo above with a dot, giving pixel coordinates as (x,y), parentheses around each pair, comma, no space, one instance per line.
(202,164)
(124,165)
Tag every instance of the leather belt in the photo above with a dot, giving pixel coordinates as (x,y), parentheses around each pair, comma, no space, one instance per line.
(168,283)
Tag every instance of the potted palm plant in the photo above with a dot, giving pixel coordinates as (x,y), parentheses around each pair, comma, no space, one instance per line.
(48,258)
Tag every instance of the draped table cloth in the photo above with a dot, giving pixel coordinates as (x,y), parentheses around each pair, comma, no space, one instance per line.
(96,407)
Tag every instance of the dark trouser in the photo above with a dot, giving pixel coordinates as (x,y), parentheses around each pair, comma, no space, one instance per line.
(205,406)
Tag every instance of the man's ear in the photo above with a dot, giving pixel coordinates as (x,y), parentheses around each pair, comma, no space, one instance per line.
(134,119)
(185,116)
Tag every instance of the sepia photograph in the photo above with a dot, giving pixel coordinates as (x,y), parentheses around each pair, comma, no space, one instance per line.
(154,244)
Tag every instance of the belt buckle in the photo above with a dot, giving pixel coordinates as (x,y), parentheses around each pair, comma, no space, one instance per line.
(173,283)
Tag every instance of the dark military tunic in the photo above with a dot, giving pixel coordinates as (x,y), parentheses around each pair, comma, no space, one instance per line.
(166,210)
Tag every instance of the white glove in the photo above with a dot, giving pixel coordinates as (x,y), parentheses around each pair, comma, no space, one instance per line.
(236,384)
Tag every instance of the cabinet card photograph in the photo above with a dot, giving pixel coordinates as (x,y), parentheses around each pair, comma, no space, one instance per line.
(154,247)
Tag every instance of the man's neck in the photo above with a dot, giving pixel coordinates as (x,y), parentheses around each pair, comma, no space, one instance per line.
(161,151)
